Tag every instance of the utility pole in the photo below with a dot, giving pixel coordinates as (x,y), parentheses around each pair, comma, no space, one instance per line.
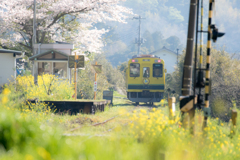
(177,56)
(187,99)
(139,41)
(200,81)
(95,82)
(35,65)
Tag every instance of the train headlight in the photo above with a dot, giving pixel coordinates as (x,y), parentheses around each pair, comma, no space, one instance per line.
(134,60)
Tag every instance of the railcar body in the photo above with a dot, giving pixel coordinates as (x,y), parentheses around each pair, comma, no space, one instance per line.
(145,79)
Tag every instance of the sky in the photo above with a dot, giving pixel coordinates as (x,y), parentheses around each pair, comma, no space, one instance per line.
(227,18)
(173,20)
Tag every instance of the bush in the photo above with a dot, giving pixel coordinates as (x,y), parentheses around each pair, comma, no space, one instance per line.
(109,78)
(49,87)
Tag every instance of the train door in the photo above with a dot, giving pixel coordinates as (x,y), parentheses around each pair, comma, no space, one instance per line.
(146,73)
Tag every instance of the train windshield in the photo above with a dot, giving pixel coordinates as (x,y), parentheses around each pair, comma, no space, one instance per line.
(157,70)
(134,70)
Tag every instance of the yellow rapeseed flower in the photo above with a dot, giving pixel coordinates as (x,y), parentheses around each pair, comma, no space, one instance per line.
(43,153)
(222,145)
(29,157)
(4,100)
(143,111)
(6,91)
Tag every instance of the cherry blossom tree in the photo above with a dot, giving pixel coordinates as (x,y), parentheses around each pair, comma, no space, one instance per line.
(58,20)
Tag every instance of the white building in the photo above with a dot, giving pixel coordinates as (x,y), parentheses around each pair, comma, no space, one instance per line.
(53,59)
(169,57)
(8,65)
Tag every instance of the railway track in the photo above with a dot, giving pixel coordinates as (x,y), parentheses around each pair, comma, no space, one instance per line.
(100,123)
(137,108)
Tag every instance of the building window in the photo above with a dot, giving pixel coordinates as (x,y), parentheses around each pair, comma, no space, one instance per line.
(44,68)
(58,69)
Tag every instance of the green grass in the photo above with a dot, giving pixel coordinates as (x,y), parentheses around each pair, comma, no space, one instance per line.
(79,100)
(116,94)
(136,132)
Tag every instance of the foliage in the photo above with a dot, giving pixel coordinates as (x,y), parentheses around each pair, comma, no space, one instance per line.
(138,133)
(166,136)
(163,24)
(49,87)
(27,138)
(155,41)
(109,78)
(58,20)
(86,80)
(225,78)
(122,68)
(118,53)
(135,133)
(173,43)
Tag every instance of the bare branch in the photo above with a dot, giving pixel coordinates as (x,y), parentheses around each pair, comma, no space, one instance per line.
(25,45)
(56,19)
(63,14)
(24,38)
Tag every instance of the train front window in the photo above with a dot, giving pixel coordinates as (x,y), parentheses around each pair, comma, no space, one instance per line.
(157,70)
(134,70)
(146,71)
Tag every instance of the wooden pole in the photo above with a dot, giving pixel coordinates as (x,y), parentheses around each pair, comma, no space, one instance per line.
(234,117)
(234,121)
(171,104)
(192,121)
(186,98)
(95,81)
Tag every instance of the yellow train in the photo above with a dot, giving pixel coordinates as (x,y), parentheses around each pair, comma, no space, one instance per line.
(145,79)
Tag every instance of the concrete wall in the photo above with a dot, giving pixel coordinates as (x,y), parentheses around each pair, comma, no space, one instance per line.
(7,67)
(169,58)
(65,48)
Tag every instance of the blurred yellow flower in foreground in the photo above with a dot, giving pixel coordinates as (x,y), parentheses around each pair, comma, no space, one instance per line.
(29,157)
(4,100)
(143,111)
(6,91)
(43,153)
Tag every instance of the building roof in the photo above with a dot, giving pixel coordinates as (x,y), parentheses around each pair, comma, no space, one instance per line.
(10,51)
(162,49)
(47,52)
(58,42)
